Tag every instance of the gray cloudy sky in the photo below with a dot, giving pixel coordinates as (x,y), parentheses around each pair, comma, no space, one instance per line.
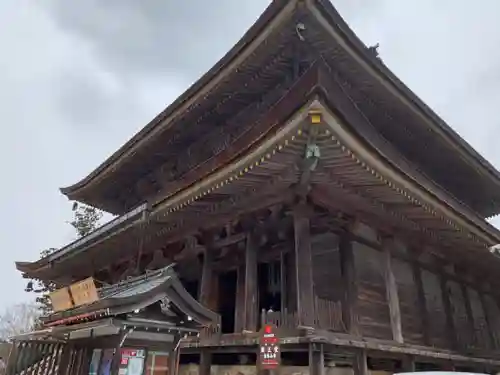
(78,78)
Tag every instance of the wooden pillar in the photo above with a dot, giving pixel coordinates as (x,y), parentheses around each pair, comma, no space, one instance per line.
(408,364)
(291,287)
(316,359)
(251,301)
(173,361)
(421,301)
(12,362)
(391,289)
(207,281)
(239,312)
(360,363)
(205,362)
(303,269)
(350,286)
(65,359)
(450,324)
(283,283)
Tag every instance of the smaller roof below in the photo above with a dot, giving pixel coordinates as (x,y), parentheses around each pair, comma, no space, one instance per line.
(161,287)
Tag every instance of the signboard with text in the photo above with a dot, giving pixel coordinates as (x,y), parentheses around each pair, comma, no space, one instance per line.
(84,292)
(61,300)
(269,348)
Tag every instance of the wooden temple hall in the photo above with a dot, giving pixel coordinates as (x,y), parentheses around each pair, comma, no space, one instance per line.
(298,185)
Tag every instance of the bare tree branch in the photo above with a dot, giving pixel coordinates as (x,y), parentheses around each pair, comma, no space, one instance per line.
(18,319)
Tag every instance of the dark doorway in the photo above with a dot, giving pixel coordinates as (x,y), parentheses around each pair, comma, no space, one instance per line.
(269,279)
(227,300)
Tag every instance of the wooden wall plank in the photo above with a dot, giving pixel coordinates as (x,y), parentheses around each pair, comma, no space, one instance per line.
(470,317)
(373,310)
(350,313)
(451,332)
(435,307)
(480,325)
(411,315)
(421,302)
(459,314)
(493,311)
(327,275)
(392,292)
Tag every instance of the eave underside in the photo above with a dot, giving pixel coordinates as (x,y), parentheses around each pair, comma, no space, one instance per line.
(342,182)
(261,81)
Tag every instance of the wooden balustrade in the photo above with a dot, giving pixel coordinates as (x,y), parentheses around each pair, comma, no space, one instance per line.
(280,319)
(328,316)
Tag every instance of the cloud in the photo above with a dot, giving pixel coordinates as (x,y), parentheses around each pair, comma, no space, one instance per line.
(77,79)
(154,37)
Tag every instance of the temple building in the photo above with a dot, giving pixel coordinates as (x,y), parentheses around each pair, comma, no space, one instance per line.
(300,184)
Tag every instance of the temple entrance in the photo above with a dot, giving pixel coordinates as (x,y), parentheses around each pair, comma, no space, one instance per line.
(269,285)
(227,300)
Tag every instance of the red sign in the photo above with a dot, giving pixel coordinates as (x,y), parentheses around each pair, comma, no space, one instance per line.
(269,348)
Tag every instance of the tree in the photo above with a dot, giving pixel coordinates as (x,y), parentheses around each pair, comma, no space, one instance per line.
(86,219)
(18,319)
(42,288)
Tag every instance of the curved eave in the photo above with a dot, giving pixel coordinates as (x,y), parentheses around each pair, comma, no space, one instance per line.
(122,223)
(326,15)
(198,89)
(45,267)
(433,202)
(336,24)
(418,190)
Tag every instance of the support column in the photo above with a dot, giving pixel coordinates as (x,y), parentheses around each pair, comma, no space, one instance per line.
(408,363)
(12,362)
(350,286)
(205,362)
(65,359)
(239,313)
(360,363)
(291,287)
(391,289)
(207,285)
(316,359)
(303,269)
(251,302)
